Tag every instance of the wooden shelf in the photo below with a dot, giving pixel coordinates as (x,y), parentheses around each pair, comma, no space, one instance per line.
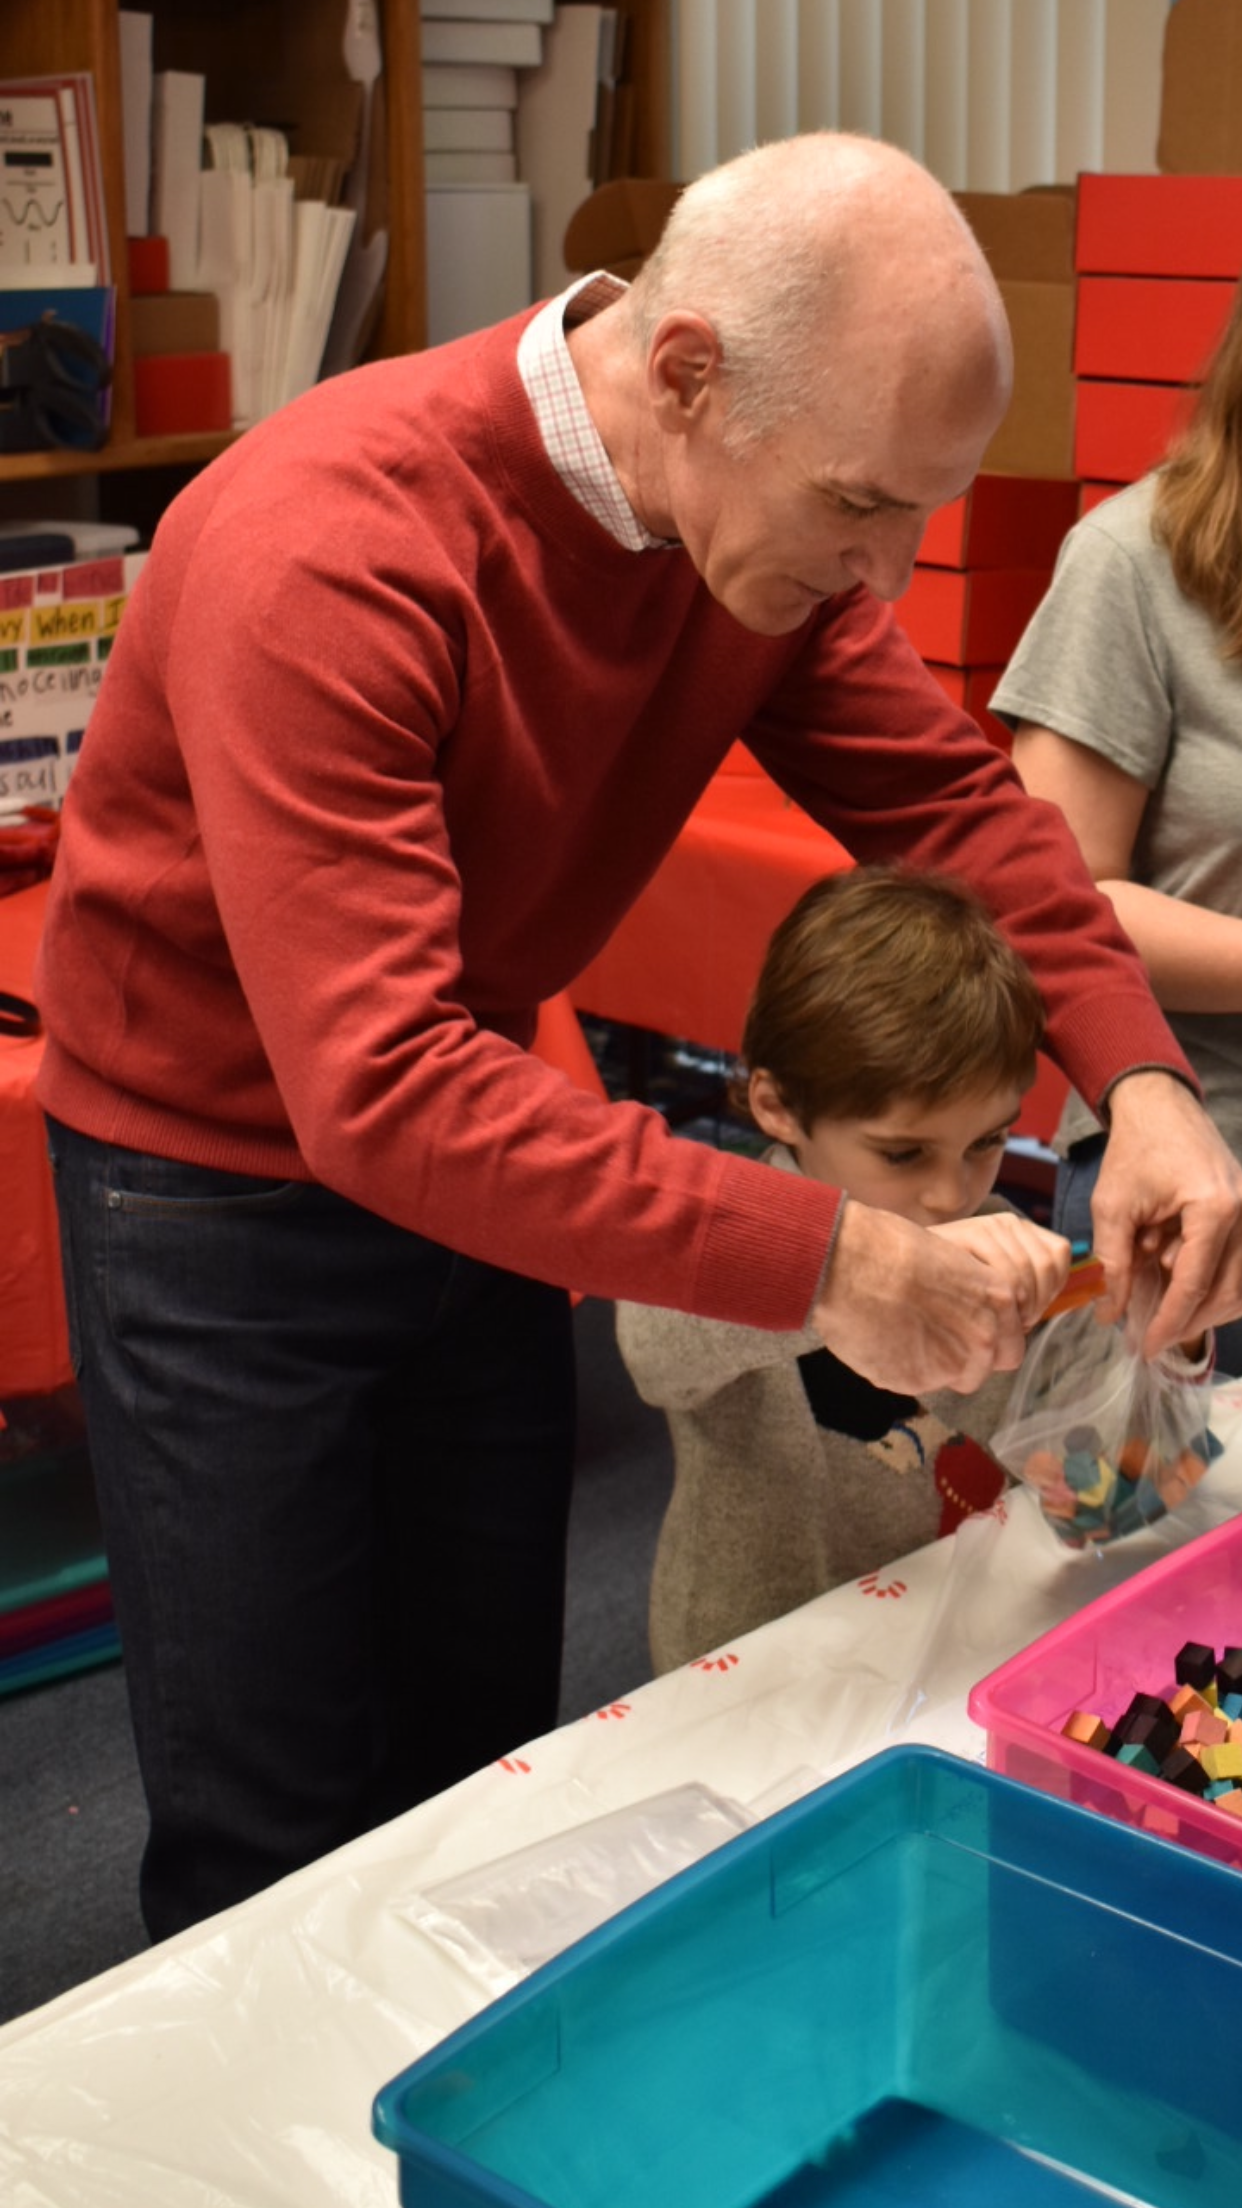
(45,36)
(137,452)
(42,37)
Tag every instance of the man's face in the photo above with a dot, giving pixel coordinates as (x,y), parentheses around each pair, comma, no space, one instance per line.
(822,504)
(840,494)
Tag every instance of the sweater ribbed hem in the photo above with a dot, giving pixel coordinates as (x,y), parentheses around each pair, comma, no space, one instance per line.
(72,1093)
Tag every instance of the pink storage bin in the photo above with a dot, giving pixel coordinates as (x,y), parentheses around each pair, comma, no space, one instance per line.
(1120,1645)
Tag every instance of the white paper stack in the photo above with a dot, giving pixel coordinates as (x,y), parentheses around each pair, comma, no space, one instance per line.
(273,262)
(177,102)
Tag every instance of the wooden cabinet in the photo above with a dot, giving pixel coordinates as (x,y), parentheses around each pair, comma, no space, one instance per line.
(40,36)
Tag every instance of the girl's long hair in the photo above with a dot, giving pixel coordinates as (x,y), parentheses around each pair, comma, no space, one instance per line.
(1198,505)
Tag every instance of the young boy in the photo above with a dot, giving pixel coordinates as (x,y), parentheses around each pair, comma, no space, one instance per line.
(889,1043)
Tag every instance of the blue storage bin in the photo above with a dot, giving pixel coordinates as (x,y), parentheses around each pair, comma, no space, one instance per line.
(923,1984)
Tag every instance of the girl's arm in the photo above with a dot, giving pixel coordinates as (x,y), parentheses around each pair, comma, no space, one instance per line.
(1194,956)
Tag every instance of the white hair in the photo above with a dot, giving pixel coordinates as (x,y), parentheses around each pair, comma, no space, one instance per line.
(761,246)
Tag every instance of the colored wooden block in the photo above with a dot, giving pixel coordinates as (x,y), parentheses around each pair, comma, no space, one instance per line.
(1223,1759)
(1206,1728)
(1152,1721)
(1195,1665)
(1139,1758)
(1085,1726)
(1183,1769)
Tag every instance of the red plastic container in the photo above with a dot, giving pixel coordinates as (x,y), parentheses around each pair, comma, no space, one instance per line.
(1122,1644)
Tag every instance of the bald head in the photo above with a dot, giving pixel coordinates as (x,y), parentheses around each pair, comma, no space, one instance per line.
(824,255)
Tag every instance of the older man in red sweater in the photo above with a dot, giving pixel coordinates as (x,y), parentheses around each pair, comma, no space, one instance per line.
(416,689)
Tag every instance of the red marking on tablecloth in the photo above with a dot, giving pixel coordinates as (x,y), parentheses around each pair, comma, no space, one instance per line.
(715,1663)
(612,1709)
(514,1763)
(870,1584)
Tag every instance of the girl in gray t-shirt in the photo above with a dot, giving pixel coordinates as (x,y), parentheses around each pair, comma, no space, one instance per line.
(1125,696)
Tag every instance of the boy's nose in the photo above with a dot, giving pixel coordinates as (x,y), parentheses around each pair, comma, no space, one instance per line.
(945,1194)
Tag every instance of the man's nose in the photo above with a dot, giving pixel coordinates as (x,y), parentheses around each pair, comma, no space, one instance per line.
(889,555)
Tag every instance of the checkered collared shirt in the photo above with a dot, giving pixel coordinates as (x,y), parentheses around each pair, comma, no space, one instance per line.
(573,444)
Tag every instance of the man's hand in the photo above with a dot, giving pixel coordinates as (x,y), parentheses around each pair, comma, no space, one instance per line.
(913,1308)
(1169,1188)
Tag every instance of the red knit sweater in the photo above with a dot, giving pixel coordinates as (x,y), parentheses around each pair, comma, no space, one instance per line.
(392,735)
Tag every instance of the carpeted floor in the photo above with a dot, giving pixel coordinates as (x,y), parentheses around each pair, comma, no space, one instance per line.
(72,1825)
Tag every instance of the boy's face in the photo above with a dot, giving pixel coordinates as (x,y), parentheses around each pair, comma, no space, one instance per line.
(928,1163)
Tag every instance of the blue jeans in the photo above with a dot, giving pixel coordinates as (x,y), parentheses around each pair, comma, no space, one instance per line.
(333,1464)
(1071,1216)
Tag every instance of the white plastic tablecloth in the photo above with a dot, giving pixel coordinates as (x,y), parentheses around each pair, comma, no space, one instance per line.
(234,2066)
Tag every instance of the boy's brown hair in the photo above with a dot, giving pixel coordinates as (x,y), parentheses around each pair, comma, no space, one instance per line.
(888,986)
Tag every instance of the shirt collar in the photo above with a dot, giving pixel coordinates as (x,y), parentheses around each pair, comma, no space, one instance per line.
(573,444)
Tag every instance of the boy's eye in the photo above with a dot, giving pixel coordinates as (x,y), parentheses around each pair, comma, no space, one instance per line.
(994,1141)
(901,1157)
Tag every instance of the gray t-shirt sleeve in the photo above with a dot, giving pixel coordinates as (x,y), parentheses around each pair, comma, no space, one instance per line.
(1092,663)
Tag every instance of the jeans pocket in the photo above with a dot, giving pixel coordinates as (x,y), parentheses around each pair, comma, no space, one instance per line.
(219,1195)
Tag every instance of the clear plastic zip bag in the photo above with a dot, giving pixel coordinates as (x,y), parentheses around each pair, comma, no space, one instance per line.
(1108,1439)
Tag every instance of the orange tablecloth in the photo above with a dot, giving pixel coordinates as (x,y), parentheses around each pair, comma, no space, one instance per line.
(684,959)
(34,1347)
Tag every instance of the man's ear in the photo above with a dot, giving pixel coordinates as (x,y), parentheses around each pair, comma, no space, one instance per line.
(770,1112)
(683,369)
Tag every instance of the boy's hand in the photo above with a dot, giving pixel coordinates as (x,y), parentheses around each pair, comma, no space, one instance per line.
(912,1308)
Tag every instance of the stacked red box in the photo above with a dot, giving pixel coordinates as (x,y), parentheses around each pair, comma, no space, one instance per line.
(182,379)
(983,566)
(1157,260)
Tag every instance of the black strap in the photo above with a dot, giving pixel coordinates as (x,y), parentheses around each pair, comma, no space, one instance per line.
(51,376)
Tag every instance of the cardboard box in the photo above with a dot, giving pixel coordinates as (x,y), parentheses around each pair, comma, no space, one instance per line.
(1159,226)
(1200,112)
(1091,495)
(618,225)
(971,687)
(1149,329)
(969,619)
(1027,236)
(1037,434)
(1001,521)
(1125,428)
(175,322)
